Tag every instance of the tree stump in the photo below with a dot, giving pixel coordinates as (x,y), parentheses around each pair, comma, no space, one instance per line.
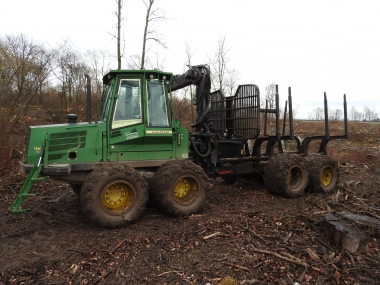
(351,231)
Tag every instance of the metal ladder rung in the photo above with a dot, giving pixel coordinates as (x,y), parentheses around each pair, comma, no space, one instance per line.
(24,192)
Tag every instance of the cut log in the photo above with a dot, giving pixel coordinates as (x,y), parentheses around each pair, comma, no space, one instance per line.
(351,231)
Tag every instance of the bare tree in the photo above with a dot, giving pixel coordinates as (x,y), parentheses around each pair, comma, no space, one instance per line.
(119,36)
(269,100)
(134,61)
(319,114)
(99,60)
(218,65)
(189,62)
(232,78)
(157,62)
(119,18)
(358,116)
(369,114)
(152,15)
(335,115)
(352,114)
(27,67)
(270,96)
(316,114)
(189,89)
(183,97)
(71,66)
(355,115)
(223,78)
(99,64)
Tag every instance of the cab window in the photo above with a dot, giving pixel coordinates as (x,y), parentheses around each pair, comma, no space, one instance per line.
(157,105)
(106,98)
(128,104)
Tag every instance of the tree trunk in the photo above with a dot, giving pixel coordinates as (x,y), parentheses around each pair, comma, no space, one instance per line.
(149,7)
(118,33)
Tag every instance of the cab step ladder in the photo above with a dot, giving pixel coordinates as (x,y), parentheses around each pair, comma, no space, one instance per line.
(31,179)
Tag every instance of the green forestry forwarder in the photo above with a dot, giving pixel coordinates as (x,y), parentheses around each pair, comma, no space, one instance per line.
(137,139)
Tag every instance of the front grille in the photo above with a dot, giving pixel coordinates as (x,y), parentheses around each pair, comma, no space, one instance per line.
(65,141)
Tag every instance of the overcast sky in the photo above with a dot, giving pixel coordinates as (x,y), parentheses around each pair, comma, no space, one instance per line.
(313,46)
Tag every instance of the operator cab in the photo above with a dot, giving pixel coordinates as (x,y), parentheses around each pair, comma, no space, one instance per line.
(130,91)
(137,114)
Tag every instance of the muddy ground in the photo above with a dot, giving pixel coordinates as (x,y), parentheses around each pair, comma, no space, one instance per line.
(244,235)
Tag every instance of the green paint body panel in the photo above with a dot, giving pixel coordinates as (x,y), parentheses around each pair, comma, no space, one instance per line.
(66,143)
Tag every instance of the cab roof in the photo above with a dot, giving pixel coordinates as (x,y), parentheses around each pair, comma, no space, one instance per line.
(148,74)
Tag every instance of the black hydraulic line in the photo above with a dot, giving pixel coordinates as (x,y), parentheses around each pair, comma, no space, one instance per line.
(327,133)
(88,97)
(291,129)
(202,155)
(205,127)
(203,116)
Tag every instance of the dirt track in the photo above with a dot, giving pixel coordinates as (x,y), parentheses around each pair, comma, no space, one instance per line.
(244,232)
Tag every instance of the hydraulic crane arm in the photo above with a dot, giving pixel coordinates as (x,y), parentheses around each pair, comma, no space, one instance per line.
(193,76)
(199,76)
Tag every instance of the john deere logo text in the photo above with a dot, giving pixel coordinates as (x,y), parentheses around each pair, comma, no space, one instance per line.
(159,132)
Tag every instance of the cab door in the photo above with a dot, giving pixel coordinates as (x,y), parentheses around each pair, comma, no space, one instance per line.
(158,134)
(126,124)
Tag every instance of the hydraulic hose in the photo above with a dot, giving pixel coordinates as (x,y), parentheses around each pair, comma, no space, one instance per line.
(203,116)
(202,155)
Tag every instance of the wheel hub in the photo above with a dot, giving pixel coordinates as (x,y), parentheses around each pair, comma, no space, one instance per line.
(294,176)
(117,196)
(327,176)
(182,188)
(186,190)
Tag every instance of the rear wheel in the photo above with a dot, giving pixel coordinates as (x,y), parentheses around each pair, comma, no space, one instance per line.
(323,173)
(114,195)
(286,175)
(179,187)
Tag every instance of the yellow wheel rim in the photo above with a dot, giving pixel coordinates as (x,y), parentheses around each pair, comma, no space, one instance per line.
(117,197)
(327,176)
(186,190)
(294,176)
(289,177)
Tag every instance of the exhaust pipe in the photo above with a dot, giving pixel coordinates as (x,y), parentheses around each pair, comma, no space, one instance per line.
(88,97)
